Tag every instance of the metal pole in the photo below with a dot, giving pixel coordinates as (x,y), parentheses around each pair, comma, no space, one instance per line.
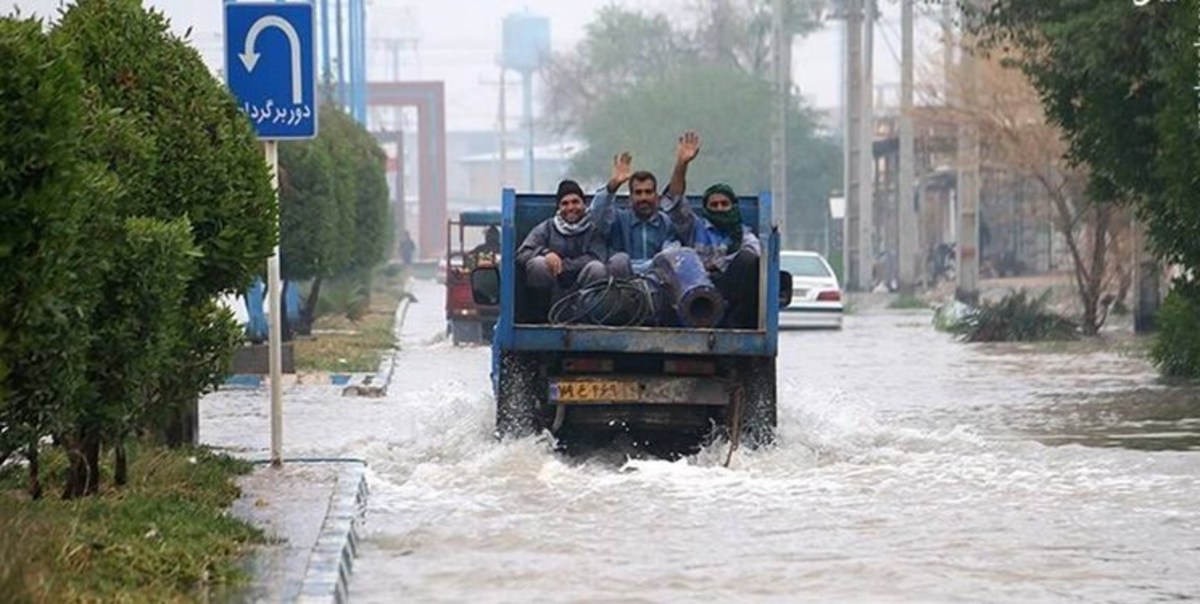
(360,76)
(352,49)
(779,135)
(907,213)
(527,85)
(968,189)
(851,245)
(503,142)
(341,54)
(866,166)
(327,69)
(275,335)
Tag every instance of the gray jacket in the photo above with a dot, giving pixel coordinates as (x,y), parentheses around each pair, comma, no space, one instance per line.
(575,250)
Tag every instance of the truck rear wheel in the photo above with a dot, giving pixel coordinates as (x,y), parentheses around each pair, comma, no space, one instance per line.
(759,415)
(520,396)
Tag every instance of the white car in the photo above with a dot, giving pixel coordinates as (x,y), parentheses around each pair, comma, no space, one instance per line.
(816,295)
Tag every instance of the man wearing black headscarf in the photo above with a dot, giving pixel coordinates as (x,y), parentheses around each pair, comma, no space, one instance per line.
(566,250)
(730,251)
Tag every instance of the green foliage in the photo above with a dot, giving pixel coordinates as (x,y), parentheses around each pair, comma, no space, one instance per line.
(47,279)
(334,197)
(1017,317)
(348,297)
(143,292)
(361,166)
(1119,80)
(181,152)
(1174,215)
(308,221)
(200,361)
(206,164)
(1176,348)
(638,80)
(731,109)
(166,538)
(624,47)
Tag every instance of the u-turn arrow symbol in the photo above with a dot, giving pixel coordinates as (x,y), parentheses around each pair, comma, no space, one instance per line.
(250,58)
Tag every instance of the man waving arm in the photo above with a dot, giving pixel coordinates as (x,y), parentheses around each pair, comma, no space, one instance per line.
(674,203)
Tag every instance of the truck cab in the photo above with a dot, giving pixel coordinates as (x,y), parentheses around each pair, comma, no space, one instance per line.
(468,248)
(644,379)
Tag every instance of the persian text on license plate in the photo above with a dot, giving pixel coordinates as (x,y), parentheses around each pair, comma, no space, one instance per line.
(594,390)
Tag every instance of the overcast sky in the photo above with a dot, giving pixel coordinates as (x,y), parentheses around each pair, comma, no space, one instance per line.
(458,40)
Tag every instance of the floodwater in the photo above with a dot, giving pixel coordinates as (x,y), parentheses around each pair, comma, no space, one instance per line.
(910,468)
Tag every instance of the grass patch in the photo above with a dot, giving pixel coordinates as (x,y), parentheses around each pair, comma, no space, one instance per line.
(908,302)
(340,344)
(165,537)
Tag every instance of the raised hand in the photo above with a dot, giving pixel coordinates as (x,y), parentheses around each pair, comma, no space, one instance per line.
(688,147)
(622,169)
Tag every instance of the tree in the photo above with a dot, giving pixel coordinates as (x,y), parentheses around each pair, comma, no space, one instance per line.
(622,48)
(334,197)
(636,81)
(739,33)
(205,165)
(47,280)
(1118,79)
(731,109)
(1017,137)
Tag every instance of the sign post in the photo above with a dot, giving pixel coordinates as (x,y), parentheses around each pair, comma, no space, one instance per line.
(270,66)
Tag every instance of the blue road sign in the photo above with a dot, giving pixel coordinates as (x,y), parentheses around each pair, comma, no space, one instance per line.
(270,66)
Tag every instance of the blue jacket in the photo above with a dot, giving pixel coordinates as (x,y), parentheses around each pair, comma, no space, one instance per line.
(641,239)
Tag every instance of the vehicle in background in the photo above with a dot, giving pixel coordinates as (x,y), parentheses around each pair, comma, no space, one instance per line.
(600,381)
(816,294)
(467,319)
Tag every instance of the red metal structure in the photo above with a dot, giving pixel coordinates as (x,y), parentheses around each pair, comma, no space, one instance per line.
(429,98)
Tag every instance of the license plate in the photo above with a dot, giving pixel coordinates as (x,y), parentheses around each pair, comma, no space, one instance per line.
(582,391)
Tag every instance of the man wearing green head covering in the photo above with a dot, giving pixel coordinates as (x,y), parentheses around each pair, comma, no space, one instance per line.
(730,250)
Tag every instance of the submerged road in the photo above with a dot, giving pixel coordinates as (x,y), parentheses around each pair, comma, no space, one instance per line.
(911,468)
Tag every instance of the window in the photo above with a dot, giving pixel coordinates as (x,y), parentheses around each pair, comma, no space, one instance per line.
(804,266)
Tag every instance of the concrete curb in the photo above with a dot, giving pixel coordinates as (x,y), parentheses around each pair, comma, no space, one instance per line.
(327,577)
(376,385)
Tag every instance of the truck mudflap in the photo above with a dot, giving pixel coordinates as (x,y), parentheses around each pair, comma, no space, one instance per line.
(610,390)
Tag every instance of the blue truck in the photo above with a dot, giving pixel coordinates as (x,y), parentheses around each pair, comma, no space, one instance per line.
(673,381)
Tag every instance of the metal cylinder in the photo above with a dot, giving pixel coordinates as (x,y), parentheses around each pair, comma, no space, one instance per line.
(691,294)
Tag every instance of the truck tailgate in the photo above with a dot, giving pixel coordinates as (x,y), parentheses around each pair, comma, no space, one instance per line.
(640,340)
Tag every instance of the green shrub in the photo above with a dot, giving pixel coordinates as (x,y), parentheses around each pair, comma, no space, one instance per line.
(1015,318)
(143,293)
(1176,348)
(348,296)
(47,276)
(194,156)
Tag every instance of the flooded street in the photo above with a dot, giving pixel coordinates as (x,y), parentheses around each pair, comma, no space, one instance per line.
(910,469)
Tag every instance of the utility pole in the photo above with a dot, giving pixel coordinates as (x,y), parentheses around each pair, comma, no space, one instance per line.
(947,49)
(781,43)
(908,227)
(968,186)
(866,165)
(852,247)
(503,129)
(501,123)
